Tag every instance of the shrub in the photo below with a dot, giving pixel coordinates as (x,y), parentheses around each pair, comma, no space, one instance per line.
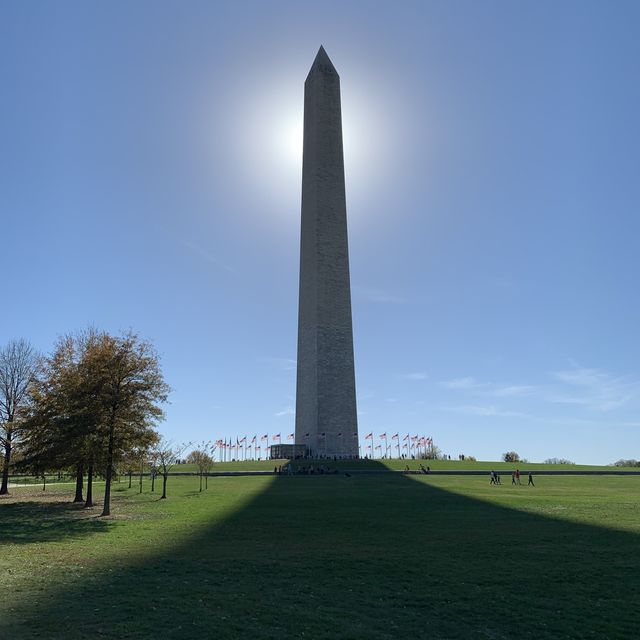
(627,463)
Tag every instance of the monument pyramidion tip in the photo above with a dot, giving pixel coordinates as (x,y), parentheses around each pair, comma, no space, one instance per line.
(322,63)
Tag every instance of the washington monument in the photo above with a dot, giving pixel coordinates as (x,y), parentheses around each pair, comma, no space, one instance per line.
(326,419)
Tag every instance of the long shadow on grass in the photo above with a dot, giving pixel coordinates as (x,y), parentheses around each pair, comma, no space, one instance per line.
(32,522)
(372,557)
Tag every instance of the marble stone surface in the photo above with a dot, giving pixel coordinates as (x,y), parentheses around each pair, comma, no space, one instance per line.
(326,417)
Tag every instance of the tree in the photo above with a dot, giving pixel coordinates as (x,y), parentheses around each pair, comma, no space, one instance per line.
(511,456)
(166,455)
(153,465)
(627,463)
(134,461)
(128,464)
(127,386)
(18,366)
(141,456)
(432,452)
(97,400)
(202,457)
(558,461)
(62,425)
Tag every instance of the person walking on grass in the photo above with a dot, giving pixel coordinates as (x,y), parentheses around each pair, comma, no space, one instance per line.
(513,477)
(493,478)
(530,480)
(518,476)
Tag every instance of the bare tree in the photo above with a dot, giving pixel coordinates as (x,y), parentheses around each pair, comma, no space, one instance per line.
(558,461)
(18,366)
(202,457)
(166,455)
(142,458)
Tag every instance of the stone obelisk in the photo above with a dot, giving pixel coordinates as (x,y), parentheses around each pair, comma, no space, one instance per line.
(326,419)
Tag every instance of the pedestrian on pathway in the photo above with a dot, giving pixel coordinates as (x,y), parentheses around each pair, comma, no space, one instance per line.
(530,480)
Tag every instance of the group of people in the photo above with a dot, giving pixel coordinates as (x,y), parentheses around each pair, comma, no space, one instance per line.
(289,470)
(515,478)
(421,469)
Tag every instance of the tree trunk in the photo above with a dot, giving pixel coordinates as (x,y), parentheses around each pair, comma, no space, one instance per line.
(201,482)
(89,500)
(153,480)
(44,482)
(79,481)
(130,475)
(206,482)
(164,486)
(141,472)
(4,489)
(106,509)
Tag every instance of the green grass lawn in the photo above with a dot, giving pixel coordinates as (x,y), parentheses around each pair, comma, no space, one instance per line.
(380,556)
(378,465)
(399,465)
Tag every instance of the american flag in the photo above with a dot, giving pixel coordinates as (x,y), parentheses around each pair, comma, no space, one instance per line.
(277,436)
(253,439)
(290,436)
(394,436)
(265,437)
(383,436)
(405,438)
(369,436)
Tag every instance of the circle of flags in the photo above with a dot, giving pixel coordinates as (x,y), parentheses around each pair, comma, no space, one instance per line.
(258,447)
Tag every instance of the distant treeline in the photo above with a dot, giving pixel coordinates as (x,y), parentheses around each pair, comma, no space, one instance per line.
(627,463)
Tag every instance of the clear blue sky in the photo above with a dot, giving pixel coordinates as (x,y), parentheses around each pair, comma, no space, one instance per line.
(150,179)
